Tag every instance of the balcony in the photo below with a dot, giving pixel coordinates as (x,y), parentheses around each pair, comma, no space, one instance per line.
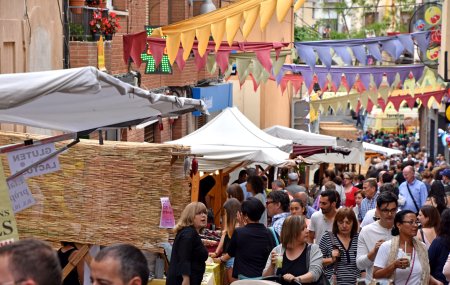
(79,17)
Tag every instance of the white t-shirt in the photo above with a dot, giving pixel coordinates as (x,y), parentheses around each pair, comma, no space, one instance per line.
(401,275)
(319,225)
(368,218)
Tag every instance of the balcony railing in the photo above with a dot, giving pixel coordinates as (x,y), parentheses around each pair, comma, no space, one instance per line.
(79,17)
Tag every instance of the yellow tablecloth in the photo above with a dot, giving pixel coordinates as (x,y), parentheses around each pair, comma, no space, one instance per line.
(213,276)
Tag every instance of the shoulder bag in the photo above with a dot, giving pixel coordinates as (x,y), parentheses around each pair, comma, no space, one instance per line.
(414,200)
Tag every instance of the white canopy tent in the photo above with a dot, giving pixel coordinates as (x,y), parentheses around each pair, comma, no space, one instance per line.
(301,137)
(231,139)
(82,99)
(381,149)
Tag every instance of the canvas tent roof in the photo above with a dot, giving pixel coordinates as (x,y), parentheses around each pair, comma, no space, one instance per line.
(230,139)
(301,137)
(82,99)
(356,156)
(380,149)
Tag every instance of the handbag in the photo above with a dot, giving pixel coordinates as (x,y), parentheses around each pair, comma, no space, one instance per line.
(333,279)
(322,279)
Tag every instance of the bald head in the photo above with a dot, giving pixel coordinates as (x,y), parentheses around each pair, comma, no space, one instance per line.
(408,173)
(302,196)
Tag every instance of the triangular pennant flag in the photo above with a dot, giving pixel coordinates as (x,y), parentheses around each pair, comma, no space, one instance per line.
(278,64)
(200,61)
(360,53)
(382,104)
(307,54)
(373,96)
(324,54)
(283,85)
(334,105)
(384,92)
(263,56)
(180,60)
(365,79)
(369,107)
(322,76)
(390,75)
(423,40)
(157,53)
(393,47)
(363,98)
(410,101)
(297,83)
(396,101)
(438,96)
(242,67)
(222,59)
(255,84)
(351,78)
(377,78)
(407,42)
(279,76)
(403,75)
(211,64)
(417,72)
(307,77)
(353,98)
(424,99)
(336,77)
(374,50)
(344,54)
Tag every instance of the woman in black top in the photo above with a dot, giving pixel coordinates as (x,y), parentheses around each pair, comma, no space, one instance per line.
(187,263)
(75,277)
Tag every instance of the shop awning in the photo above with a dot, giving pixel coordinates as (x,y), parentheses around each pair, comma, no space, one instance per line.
(225,20)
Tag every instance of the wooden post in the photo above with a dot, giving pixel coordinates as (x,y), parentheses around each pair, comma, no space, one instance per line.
(195,187)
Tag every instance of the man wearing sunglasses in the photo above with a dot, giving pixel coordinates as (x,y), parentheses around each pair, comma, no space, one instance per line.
(29,262)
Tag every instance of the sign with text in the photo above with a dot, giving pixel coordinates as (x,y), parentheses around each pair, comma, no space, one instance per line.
(20,159)
(8,225)
(19,194)
(167,220)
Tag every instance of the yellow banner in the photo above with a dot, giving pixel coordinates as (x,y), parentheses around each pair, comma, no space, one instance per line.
(101,54)
(8,225)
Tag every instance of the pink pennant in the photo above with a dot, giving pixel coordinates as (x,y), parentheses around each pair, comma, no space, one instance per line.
(369,106)
(263,56)
(283,85)
(179,60)
(255,84)
(200,62)
(297,83)
(133,46)
(222,60)
(157,52)
(438,95)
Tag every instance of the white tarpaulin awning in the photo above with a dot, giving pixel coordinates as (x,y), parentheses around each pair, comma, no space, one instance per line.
(381,149)
(301,137)
(230,139)
(356,156)
(81,99)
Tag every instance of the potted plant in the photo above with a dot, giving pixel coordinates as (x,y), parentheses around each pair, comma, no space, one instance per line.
(96,24)
(76,32)
(76,3)
(111,26)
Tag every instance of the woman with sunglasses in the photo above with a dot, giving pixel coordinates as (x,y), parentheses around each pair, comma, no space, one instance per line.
(404,259)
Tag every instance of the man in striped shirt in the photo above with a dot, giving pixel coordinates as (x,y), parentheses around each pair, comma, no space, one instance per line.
(368,203)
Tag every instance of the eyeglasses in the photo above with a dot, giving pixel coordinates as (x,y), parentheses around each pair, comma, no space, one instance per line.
(389,211)
(411,222)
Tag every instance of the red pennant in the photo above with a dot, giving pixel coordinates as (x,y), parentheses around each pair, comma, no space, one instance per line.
(381,104)
(222,60)
(438,95)
(179,60)
(369,106)
(263,56)
(297,83)
(410,101)
(396,101)
(283,85)
(200,62)
(255,84)
(424,98)
(157,52)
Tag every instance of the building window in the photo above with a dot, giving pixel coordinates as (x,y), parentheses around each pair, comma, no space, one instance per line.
(149,133)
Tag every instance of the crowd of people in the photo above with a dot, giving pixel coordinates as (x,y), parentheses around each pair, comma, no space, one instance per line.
(392,224)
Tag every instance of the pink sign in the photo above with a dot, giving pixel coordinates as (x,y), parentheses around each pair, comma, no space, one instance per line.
(167,220)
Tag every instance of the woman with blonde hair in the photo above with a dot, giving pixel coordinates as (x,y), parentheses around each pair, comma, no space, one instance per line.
(232,209)
(187,263)
(294,259)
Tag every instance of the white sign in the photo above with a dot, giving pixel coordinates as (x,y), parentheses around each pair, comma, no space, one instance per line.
(167,220)
(19,194)
(20,159)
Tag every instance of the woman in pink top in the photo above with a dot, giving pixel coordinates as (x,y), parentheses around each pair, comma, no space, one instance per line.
(349,189)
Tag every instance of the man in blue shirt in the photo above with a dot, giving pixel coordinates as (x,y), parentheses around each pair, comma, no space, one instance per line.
(370,188)
(417,194)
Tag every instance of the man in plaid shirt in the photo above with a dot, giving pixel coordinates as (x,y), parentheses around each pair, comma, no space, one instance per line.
(370,202)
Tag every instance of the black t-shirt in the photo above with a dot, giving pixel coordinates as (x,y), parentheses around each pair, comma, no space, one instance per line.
(251,246)
(188,258)
(295,267)
(72,278)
